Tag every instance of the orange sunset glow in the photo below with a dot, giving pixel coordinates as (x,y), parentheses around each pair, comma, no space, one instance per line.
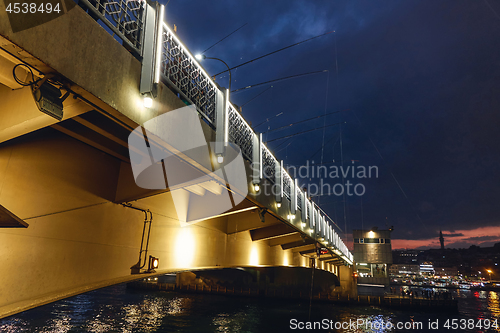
(485,237)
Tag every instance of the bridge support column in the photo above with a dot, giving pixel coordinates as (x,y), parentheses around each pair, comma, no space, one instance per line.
(347,282)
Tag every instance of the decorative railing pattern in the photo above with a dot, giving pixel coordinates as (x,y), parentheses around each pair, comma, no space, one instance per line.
(184,73)
(299,197)
(287,184)
(124,17)
(268,164)
(240,133)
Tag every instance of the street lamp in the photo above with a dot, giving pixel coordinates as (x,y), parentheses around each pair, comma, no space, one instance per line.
(489,272)
(202,56)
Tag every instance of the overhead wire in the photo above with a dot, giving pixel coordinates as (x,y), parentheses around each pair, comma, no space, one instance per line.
(267,119)
(256,96)
(340,134)
(302,132)
(280,79)
(277,151)
(390,171)
(276,51)
(223,38)
(324,120)
(317,151)
(303,121)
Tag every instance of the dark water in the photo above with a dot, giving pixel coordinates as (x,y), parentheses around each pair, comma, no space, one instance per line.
(116,309)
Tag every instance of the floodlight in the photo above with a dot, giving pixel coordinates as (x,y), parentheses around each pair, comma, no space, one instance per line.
(48,99)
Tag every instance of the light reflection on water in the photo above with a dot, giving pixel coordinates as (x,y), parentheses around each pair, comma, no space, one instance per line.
(116,309)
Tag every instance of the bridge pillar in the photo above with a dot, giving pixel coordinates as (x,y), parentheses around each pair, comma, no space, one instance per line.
(347,282)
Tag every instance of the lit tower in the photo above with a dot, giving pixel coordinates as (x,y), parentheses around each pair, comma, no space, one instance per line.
(441,239)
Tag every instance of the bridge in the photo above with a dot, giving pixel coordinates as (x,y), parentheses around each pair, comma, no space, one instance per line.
(97,103)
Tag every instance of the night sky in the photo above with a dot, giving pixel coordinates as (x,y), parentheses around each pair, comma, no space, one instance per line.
(419,83)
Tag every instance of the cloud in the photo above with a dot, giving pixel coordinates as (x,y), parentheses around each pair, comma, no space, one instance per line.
(482,238)
(453,235)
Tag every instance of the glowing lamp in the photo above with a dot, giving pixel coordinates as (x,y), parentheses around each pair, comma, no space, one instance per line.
(153,263)
(147,102)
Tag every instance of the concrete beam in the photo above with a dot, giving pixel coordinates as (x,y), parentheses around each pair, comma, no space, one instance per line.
(285,239)
(270,232)
(92,138)
(298,244)
(328,257)
(334,261)
(311,251)
(10,220)
(105,126)
(249,221)
(20,115)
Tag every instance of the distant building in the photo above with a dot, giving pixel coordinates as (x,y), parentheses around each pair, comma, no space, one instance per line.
(441,239)
(372,252)
(405,256)
(404,269)
(446,271)
(427,268)
(373,256)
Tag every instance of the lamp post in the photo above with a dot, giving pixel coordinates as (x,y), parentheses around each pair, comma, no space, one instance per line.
(220,158)
(489,272)
(202,56)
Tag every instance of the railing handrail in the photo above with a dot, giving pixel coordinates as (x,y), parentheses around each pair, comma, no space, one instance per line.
(174,35)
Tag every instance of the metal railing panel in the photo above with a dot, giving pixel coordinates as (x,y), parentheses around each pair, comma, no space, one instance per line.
(240,133)
(184,73)
(269,164)
(287,184)
(124,17)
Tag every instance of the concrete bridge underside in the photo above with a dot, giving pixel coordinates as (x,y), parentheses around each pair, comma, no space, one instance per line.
(62,183)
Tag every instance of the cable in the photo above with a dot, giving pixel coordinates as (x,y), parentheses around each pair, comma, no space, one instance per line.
(493,10)
(303,121)
(390,171)
(66,210)
(24,84)
(267,119)
(268,54)
(222,38)
(280,79)
(256,97)
(24,62)
(317,151)
(324,120)
(282,143)
(314,129)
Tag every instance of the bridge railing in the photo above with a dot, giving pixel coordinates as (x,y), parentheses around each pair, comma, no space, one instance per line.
(125,18)
(240,133)
(181,70)
(164,57)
